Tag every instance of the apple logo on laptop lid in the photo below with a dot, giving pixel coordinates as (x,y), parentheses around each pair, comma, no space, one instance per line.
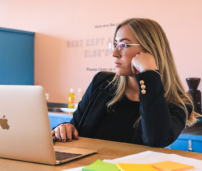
(3,123)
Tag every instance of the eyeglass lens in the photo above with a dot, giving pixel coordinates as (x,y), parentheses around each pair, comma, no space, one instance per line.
(120,46)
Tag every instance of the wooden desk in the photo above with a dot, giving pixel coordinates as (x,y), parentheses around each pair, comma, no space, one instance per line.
(106,150)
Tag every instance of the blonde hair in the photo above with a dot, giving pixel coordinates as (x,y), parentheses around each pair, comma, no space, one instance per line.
(153,39)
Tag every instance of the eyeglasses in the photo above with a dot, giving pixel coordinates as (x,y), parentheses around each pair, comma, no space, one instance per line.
(122,47)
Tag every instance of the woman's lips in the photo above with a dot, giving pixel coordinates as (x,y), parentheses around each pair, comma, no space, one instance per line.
(117,64)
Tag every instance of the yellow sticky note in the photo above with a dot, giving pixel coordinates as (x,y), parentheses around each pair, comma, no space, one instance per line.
(171,166)
(132,167)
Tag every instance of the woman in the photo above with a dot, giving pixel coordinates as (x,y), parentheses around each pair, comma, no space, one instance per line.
(144,102)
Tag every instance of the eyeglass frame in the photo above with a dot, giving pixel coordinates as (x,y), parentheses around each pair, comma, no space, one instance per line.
(118,49)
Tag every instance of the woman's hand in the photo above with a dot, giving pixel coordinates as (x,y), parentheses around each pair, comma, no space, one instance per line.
(143,61)
(65,132)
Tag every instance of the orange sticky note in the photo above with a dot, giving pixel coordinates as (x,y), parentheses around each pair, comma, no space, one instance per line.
(138,167)
(171,166)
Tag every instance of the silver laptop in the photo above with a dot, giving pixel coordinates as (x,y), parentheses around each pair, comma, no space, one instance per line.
(25,129)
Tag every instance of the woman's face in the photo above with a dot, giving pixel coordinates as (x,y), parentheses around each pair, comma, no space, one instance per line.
(123,62)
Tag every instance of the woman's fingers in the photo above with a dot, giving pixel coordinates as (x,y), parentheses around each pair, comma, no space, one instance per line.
(133,68)
(137,72)
(143,61)
(53,133)
(69,131)
(75,133)
(57,133)
(63,132)
(134,64)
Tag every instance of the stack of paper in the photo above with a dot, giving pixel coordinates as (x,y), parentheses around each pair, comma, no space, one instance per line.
(150,157)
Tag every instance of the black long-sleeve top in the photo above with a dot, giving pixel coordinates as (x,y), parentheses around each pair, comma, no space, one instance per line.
(160,125)
(118,125)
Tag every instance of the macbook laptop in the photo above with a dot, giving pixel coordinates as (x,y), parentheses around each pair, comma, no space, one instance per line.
(25,129)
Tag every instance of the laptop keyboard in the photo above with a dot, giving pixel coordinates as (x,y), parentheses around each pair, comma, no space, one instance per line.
(64,155)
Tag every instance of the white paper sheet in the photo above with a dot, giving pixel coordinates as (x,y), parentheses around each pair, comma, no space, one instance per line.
(153,157)
(74,169)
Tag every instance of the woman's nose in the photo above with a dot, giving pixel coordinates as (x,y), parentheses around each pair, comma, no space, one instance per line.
(116,53)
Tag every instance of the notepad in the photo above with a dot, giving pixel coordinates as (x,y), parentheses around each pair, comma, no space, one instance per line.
(101,166)
(138,167)
(171,166)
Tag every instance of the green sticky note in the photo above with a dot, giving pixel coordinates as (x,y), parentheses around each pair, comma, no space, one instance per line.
(100,166)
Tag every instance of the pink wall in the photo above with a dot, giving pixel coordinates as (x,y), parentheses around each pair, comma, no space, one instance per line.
(59,67)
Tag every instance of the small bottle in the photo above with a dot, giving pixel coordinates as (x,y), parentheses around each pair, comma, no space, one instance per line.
(79,97)
(71,100)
